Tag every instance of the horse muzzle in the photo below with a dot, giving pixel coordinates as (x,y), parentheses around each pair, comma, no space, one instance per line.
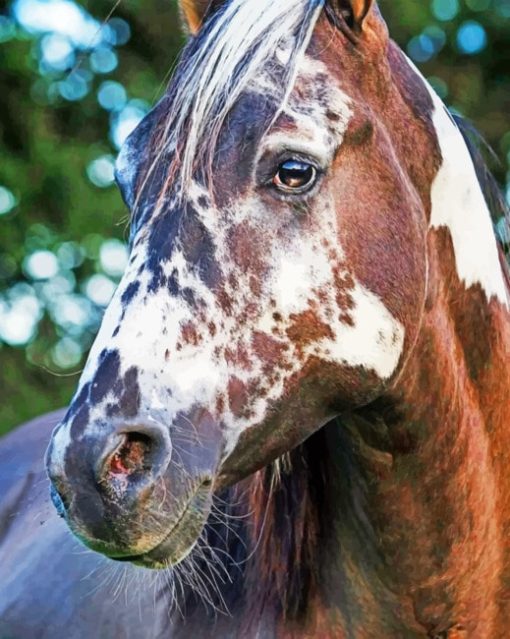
(132,493)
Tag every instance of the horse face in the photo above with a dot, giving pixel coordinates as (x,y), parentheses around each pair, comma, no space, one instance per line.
(266,299)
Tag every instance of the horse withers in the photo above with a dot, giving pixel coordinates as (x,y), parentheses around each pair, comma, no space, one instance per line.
(296,407)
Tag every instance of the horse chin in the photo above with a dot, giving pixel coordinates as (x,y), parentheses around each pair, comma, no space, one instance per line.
(181,538)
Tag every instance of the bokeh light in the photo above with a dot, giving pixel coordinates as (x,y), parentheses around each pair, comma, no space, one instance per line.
(445,9)
(478,5)
(127,120)
(7,28)
(7,200)
(67,353)
(103,59)
(41,265)
(471,37)
(113,256)
(100,289)
(101,171)
(20,312)
(502,7)
(112,96)
(58,17)
(57,53)
(421,48)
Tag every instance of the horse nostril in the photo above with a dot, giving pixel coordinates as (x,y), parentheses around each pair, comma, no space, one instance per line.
(132,456)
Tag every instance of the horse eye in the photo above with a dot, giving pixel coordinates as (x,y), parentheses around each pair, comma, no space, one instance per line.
(295,176)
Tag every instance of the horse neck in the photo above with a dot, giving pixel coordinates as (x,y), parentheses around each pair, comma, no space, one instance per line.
(393,518)
(422,475)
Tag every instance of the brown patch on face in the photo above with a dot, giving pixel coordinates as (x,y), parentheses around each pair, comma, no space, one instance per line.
(344,284)
(359,133)
(238,397)
(251,310)
(346,319)
(245,247)
(255,285)
(232,280)
(270,351)
(307,328)
(225,301)
(323,299)
(190,335)
(220,404)
(238,356)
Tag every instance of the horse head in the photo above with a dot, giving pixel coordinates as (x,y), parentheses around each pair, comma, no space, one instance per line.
(280,201)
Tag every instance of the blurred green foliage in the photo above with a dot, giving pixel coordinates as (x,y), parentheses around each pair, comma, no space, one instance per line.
(72,90)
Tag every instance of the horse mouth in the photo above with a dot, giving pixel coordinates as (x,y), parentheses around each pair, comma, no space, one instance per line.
(182,536)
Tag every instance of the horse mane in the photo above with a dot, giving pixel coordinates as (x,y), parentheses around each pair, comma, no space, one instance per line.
(287,500)
(498,207)
(267,532)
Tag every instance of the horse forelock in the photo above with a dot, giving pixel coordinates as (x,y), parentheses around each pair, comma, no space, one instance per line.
(236,46)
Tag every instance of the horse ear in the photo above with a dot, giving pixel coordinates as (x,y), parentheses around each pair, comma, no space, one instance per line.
(354,11)
(134,154)
(194,13)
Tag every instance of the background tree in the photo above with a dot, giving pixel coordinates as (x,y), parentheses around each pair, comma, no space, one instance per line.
(73,89)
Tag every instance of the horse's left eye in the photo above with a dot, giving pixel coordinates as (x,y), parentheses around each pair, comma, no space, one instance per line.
(295,176)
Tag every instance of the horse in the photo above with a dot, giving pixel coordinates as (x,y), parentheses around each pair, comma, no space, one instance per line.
(293,422)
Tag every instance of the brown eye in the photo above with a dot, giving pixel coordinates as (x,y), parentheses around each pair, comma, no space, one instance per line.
(295,176)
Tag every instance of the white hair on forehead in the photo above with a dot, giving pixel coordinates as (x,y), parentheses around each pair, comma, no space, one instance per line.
(232,49)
